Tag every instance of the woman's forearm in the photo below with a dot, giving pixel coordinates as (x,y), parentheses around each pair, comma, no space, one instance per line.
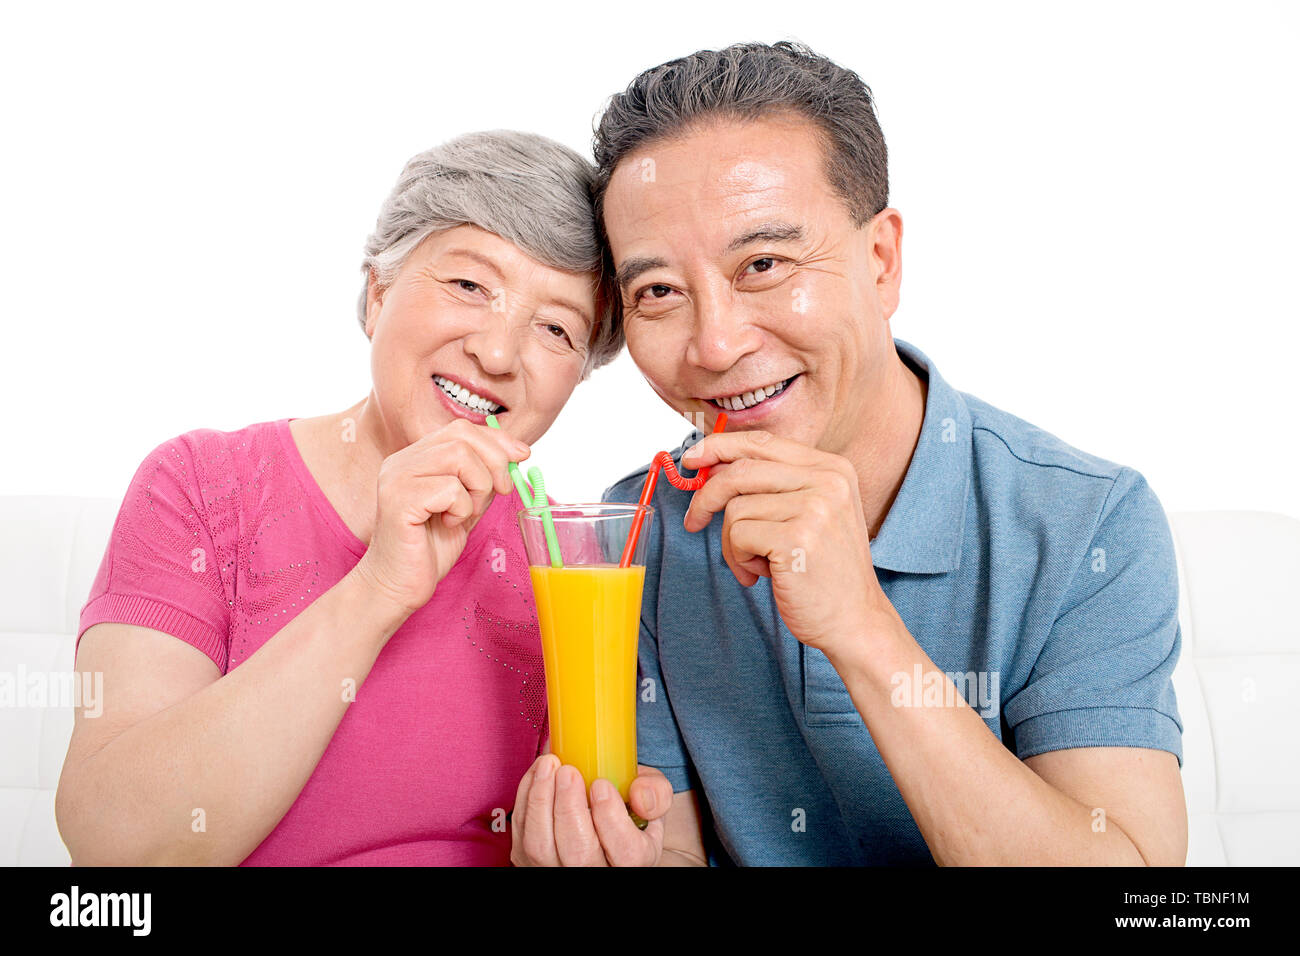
(240,750)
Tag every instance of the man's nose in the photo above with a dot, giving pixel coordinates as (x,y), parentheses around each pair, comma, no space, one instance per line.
(723,332)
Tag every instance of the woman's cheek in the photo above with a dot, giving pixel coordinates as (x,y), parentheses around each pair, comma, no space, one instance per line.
(385,365)
(559,387)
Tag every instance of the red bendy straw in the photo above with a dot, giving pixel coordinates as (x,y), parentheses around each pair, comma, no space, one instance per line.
(665,461)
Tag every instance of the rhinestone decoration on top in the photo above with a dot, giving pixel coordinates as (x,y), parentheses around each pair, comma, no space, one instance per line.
(507,634)
(243,506)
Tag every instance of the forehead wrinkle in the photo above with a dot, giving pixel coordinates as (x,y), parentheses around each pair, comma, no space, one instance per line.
(733,199)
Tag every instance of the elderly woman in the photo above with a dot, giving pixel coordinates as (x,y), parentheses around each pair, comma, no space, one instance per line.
(317,635)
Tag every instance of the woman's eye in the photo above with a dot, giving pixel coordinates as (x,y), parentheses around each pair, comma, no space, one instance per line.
(467,285)
(559,331)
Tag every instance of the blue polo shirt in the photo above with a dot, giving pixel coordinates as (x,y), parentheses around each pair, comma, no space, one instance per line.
(1040,578)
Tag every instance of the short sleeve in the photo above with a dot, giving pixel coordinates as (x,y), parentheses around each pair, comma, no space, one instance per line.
(659,741)
(160,569)
(1104,675)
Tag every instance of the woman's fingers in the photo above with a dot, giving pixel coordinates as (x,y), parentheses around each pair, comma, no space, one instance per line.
(537,839)
(451,474)
(429,496)
(650,794)
(553,825)
(491,446)
(457,458)
(519,817)
(576,842)
(622,842)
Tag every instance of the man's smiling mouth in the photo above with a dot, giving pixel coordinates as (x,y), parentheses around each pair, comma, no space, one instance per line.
(752,397)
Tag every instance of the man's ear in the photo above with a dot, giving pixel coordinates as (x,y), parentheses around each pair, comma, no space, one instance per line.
(886,237)
(374,303)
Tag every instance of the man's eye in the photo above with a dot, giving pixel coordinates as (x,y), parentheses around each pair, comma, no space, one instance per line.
(467,285)
(762,265)
(658,291)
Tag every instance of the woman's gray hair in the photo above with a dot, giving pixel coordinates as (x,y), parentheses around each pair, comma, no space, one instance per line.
(525,188)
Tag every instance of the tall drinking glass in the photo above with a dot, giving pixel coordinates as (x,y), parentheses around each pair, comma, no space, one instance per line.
(589,612)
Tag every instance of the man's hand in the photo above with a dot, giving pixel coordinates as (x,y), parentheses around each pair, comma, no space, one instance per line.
(554,825)
(792,514)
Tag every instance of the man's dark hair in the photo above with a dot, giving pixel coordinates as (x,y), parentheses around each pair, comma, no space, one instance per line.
(749,81)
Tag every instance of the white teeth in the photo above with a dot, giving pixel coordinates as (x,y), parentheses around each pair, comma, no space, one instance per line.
(735,403)
(465,396)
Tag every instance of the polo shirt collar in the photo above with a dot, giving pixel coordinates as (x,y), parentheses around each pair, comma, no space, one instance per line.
(922,533)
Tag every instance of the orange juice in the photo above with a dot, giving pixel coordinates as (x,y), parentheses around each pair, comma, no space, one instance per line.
(590,619)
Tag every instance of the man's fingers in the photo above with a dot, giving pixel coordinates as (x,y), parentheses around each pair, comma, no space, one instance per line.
(780,509)
(744,575)
(758,540)
(745,477)
(730,446)
(576,841)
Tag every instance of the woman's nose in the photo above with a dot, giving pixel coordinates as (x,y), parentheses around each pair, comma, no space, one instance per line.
(495,346)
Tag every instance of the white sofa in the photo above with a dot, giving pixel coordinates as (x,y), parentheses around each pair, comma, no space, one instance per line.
(1237,680)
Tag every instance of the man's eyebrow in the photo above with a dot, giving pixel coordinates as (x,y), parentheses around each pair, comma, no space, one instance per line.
(630,270)
(768,232)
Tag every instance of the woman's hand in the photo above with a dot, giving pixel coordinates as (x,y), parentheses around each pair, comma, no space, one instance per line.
(553,824)
(429,496)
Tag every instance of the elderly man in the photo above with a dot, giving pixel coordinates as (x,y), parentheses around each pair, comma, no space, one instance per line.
(897,625)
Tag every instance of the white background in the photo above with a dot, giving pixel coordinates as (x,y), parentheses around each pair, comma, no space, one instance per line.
(1100,208)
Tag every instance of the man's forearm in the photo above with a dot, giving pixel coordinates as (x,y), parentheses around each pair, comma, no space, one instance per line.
(973,800)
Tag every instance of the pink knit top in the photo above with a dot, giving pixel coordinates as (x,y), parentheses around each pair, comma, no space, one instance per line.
(224,537)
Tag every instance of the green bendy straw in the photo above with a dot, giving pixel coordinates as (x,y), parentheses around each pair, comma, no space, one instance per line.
(533,499)
(548,523)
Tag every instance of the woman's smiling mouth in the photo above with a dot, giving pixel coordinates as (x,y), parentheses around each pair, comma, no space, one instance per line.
(467,399)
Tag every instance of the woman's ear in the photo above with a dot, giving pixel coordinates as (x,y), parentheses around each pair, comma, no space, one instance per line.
(374,303)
